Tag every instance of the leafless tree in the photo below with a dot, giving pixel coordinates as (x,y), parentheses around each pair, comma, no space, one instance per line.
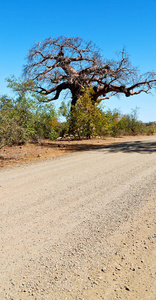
(65,63)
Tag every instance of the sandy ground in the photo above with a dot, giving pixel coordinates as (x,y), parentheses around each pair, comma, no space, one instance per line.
(46,149)
(130,272)
(80,226)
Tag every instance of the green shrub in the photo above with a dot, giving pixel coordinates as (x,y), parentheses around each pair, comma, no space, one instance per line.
(86,118)
(23,118)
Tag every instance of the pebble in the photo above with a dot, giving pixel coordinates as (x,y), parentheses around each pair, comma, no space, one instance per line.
(99,278)
(104,269)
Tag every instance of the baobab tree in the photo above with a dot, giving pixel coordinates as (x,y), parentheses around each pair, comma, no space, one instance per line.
(71,64)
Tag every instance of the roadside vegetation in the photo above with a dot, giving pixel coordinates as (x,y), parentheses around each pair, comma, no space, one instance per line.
(26,117)
(71,64)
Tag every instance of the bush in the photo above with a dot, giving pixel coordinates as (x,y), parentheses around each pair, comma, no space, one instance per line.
(46,122)
(23,118)
(11,131)
(27,117)
(86,118)
(150,128)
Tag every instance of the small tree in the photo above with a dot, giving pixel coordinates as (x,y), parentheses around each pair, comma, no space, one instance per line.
(86,119)
(130,124)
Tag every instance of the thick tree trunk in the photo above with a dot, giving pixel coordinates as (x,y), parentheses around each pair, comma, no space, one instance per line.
(76,92)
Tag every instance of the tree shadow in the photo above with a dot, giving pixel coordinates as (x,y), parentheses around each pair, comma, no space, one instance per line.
(125,147)
(132,146)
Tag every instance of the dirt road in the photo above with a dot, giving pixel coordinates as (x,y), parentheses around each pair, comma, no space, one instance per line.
(80,226)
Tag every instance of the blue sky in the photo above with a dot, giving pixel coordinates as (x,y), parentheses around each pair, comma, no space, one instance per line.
(111,25)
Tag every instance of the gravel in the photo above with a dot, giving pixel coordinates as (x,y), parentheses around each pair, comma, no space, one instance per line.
(58,218)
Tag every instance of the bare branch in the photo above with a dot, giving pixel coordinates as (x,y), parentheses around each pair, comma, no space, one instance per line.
(71,63)
(58,89)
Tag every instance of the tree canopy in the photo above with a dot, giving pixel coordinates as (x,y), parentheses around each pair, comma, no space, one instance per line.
(64,63)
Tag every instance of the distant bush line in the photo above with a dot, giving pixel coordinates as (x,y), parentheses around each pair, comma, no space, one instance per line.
(25,118)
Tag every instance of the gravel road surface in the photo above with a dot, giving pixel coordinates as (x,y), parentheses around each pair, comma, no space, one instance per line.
(62,221)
